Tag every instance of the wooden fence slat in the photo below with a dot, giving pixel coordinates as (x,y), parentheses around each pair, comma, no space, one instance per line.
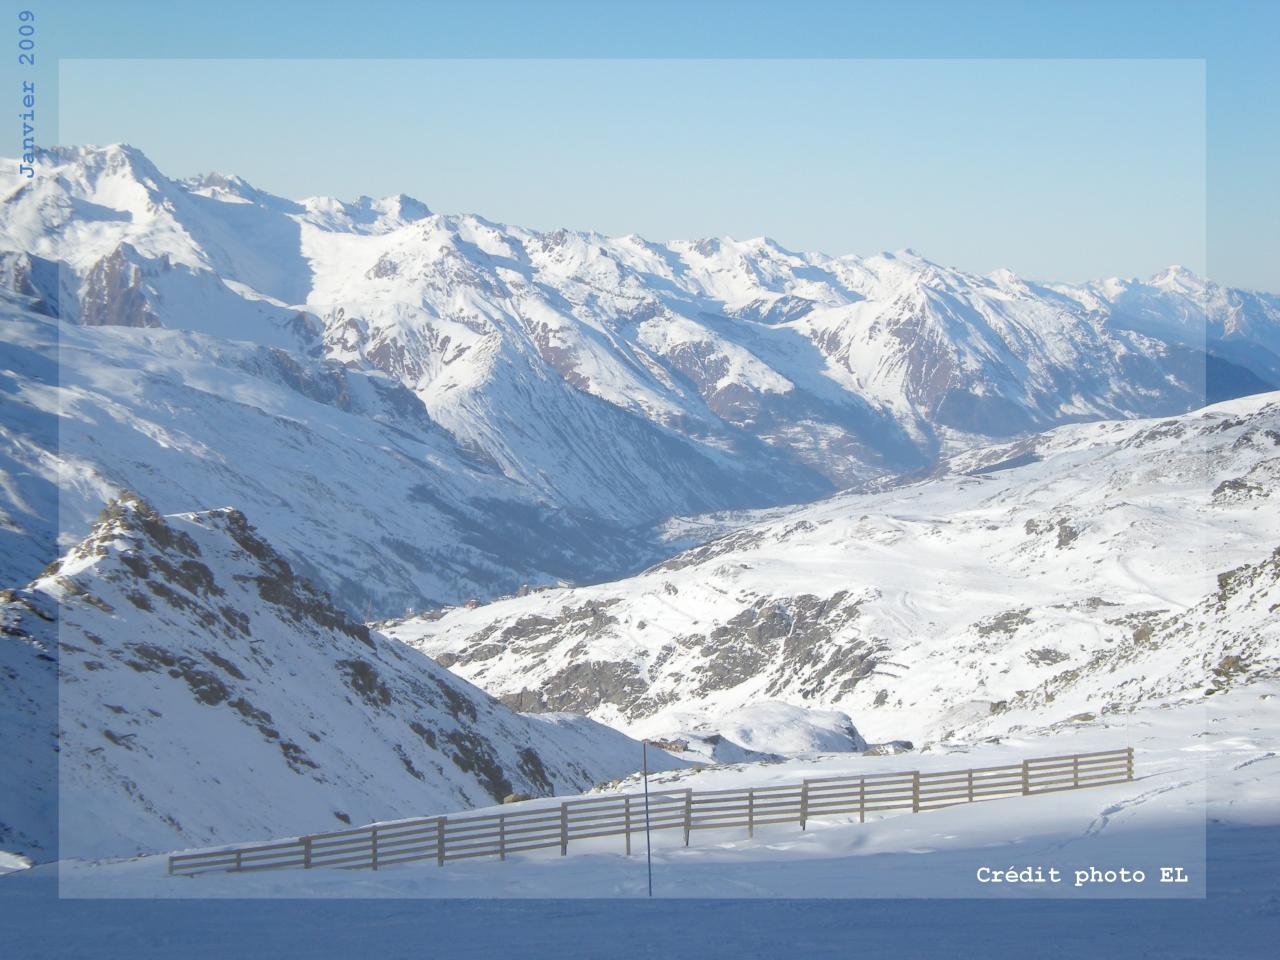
(1056,769)
(741,791)
(388,851)
(1082,756)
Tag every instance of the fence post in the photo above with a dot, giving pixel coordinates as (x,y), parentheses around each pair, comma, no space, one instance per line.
(1026,777)
(306,853)
(1129,755)
(751,811)
(862,799)
(1075,770)
(688,814)
(373,846)
(502,836)
(804,803)
(564,829)
(170,866)
(971,784)
(440,841)
(239,860)
(626,806)
(915,791)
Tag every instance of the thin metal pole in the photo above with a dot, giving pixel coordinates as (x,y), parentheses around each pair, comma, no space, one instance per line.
(648,846)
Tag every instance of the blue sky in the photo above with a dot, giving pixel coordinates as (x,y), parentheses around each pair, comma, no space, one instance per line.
(1058,168)
(1060,139)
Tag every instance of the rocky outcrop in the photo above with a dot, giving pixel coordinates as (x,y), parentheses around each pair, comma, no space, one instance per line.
(206,692)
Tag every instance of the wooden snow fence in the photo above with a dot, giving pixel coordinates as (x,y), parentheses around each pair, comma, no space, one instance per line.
(445,839)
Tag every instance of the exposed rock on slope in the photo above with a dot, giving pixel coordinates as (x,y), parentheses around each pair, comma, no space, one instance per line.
(209,694)
(1078,572)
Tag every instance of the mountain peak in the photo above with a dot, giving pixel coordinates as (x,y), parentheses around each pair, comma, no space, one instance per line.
(127,516)
(180,631)
(227,188)
(367,214)
(404,207)
(97,161)
(1178,278)
(1006,279)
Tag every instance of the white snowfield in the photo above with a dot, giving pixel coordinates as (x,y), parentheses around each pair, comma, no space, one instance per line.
(1197,759)
(1020,587)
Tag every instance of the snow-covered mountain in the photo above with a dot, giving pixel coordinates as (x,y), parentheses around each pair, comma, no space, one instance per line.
(209,694)
(624,378)
(343,470)
(1176,306)
(1072,574)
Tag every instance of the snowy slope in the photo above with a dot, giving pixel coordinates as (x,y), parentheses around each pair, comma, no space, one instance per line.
(208,694)
(1073,574)
(28,720)
(633,379)
(344,471)
(1197,763)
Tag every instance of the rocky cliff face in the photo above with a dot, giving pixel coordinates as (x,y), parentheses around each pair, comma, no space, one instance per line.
(207,693)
